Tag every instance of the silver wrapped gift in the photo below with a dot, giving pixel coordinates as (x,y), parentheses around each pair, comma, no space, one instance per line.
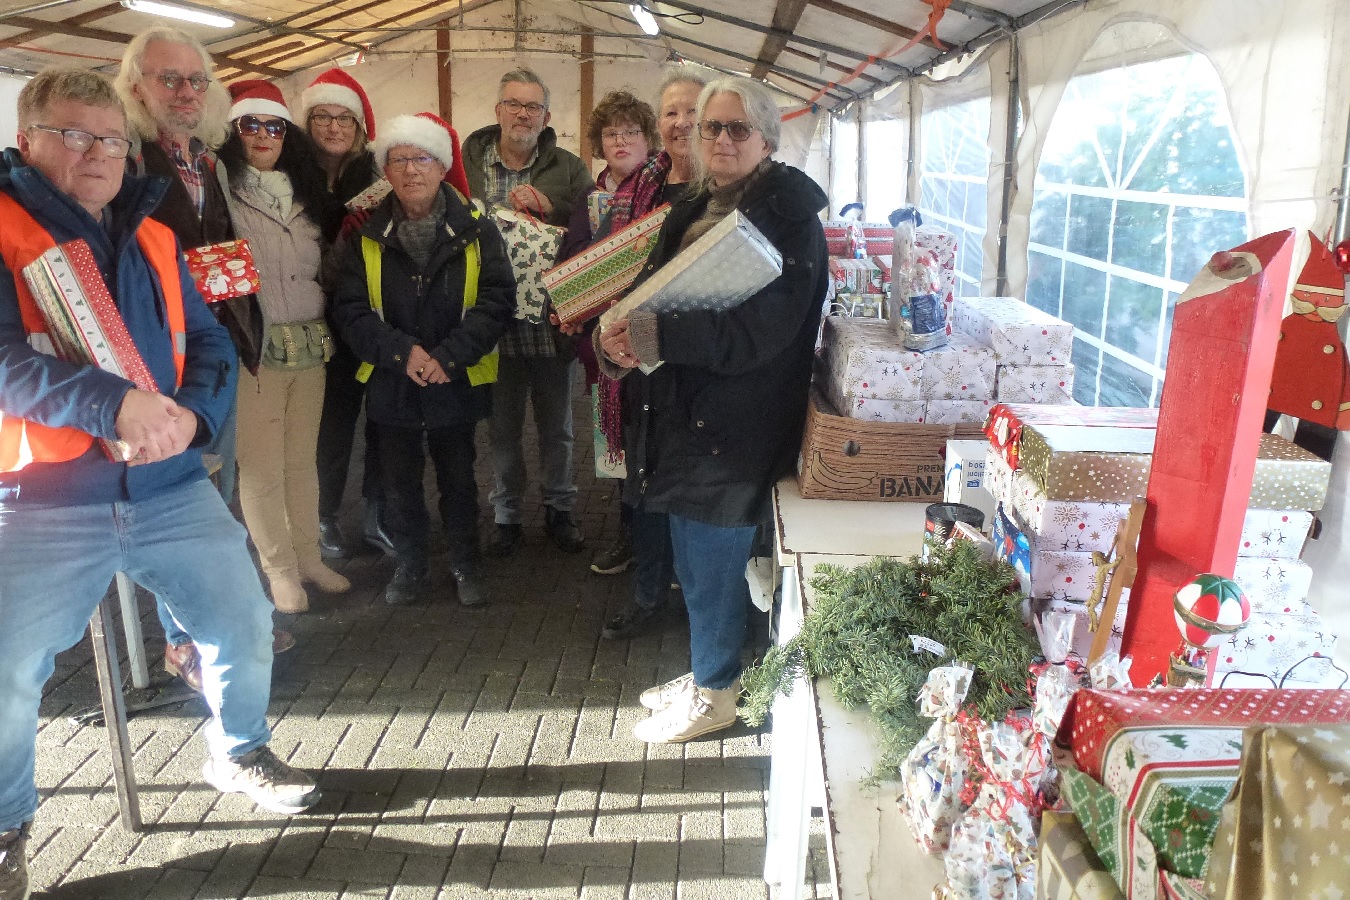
(720,270)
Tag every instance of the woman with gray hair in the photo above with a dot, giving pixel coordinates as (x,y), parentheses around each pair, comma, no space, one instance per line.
(708,433)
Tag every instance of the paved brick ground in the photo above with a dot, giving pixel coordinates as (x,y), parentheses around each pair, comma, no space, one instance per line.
(463,753)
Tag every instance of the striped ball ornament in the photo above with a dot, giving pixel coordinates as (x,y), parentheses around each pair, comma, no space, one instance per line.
(1209,609)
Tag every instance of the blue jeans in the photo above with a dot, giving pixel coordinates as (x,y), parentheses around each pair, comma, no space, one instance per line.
(55,565)
(710,562)
(547,383)
(224,447)
(653,567)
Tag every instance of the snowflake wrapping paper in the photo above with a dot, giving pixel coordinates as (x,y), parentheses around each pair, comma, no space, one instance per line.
(863,359)
(1297,644)
(1278,533)
(958,412)
(1070,526)
(1020,334)
(961,370)
(1035,384)
(878,410)
(1286,830)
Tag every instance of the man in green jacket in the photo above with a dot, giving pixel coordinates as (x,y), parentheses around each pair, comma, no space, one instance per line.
(517,164)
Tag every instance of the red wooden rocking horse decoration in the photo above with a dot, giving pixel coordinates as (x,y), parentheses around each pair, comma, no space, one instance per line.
(1224,335)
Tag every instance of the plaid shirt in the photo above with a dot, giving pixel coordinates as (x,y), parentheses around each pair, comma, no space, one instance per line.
(190,167)
(523,339)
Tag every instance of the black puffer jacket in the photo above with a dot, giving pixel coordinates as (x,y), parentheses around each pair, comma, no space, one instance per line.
(709,432)
(424,307)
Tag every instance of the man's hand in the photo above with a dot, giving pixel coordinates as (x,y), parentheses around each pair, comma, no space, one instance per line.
(618,345)
(150,424)
(568,328)
(529,198)
(185,430)
(423,368)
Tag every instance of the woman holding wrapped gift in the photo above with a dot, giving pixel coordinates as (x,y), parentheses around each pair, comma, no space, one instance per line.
(287,214)
(339,118)
(709,432)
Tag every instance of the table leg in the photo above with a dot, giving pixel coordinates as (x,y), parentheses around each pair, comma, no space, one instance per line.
(115,717)
(131,626)
(789,808)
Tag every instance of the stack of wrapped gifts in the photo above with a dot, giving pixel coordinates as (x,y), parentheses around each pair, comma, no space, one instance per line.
(1149,773)
(1063,479)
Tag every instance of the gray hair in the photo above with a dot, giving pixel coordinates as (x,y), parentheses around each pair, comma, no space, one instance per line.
(685,74)
(214,127)
(57,83)
(523,76)
(760,111)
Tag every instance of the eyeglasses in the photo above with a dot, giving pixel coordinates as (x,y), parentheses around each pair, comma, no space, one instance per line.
(174,82)
(709,129)
(323,120)
(82,141)
(251,125)
(613,135)
(515,106)
(416,163)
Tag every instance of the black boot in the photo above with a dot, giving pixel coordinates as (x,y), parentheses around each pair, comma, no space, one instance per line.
(374,532)
(332,543)
(403,588)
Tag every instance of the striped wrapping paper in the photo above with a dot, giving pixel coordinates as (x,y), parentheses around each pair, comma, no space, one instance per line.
(83,321)
(588,283)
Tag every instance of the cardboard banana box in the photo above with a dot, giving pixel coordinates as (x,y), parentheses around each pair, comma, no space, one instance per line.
(858,459)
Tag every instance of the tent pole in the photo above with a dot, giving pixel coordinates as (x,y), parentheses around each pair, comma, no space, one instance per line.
(1009,154)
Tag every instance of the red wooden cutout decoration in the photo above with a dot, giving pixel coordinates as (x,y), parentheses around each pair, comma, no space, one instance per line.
(1224,332)
(1312,376)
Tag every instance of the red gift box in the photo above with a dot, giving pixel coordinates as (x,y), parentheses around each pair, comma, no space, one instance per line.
(1005,422)
(223,271)
(1095,717)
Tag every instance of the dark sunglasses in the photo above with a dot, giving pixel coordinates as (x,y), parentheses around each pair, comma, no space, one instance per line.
(251,125)
(709,129)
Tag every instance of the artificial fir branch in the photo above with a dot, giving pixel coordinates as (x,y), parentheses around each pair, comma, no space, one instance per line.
(858,634)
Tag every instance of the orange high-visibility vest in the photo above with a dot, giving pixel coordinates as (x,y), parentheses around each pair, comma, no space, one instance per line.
(23,240)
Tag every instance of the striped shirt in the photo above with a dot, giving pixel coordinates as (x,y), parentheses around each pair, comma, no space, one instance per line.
(191,165)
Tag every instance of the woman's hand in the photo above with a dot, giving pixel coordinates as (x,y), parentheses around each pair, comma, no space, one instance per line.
(567,328)
(423,368)
(618,345)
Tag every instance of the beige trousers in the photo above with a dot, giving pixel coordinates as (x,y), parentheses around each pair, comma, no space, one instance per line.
(278,482)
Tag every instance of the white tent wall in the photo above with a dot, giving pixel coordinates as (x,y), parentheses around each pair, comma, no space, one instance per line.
(9,112)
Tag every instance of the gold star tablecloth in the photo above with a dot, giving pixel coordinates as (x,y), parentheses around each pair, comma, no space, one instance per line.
(1286,832)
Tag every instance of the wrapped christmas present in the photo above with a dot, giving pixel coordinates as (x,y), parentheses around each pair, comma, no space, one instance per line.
(725,267)
(877,238)
(1102,464)
(1272,583)
(965,412)
(1284,833)
(836,239)
(1278,533)
(1042,573)
(1282,649)
(83,321)
(1070,526)
(1035,384)
(1069,869)
(862,359)
(883,263)
(1020,334)
(961,370)
(223,271)
(879,410)
(855,276)
(371,196)
(1004,426)
(598,204)
(1288,477)
(933,775)
(1155,767)
(586,285)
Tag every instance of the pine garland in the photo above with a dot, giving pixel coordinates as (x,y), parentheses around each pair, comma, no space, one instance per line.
(858,634)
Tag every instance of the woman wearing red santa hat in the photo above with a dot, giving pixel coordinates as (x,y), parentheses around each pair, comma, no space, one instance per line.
(424,291)
(339,118)
(283,208)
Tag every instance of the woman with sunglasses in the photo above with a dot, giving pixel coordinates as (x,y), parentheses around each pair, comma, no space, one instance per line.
(709,432)
(339,118)
(283,208)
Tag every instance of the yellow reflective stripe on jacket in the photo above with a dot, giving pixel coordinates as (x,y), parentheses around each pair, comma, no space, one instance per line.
(482,372)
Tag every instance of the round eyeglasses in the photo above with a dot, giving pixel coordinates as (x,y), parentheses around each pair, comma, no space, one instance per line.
(174,82)
(81,141)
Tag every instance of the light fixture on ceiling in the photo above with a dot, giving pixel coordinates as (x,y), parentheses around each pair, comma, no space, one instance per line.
(645,19)
(185,13)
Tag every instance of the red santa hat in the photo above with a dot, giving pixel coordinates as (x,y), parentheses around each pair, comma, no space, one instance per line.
(255,97)
(431,133)
(339,89)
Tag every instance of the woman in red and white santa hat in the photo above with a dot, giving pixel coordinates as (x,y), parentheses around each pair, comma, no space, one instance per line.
(338,116)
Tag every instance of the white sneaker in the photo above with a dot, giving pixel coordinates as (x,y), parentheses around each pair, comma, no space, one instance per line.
(265,780)
(661,696)
(695,712)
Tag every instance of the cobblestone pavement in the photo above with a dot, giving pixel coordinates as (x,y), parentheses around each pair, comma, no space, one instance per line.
(463,753)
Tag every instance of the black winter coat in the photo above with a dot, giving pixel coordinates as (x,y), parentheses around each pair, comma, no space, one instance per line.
(709,432)
(424,307)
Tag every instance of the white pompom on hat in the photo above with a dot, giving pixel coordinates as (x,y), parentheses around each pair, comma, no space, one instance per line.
(424,130)
(340,89)
(256,97)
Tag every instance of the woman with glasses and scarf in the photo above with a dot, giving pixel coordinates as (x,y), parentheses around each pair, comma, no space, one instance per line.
(709,432)
(283,208)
